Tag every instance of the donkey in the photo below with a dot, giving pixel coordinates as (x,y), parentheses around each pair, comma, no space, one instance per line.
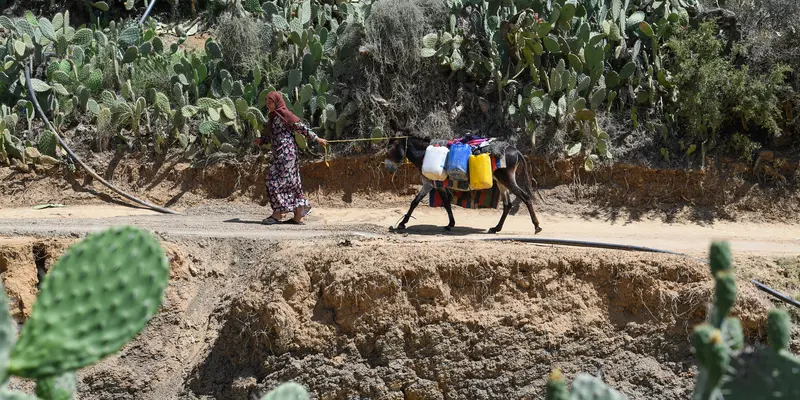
(413,148)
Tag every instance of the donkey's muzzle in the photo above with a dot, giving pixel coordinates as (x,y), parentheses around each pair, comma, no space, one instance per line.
(391,166)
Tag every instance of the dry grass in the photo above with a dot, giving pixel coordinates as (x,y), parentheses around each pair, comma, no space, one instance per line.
(245,41)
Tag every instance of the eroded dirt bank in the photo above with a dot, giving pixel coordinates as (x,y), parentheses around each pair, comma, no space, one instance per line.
(391,319)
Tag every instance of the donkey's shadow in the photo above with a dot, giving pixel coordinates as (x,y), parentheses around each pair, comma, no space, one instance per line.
(436,230)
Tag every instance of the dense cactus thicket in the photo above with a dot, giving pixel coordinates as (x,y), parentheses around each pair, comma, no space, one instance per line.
(727,369)
(556,74)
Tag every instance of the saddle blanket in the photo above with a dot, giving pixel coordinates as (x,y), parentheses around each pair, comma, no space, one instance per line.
(463,197)
(489,198)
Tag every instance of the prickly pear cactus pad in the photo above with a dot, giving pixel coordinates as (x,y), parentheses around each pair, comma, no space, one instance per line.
(779,329)
(287,391)
(8,333)
(587,387)
(99,295)
(556,387)
(764,374)
(60,387)
(6,394)
(720,257)
(47,144)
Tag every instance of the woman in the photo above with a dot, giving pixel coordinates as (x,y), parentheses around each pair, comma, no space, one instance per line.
(283,180)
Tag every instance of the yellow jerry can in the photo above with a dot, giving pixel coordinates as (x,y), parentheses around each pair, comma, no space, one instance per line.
(480,172)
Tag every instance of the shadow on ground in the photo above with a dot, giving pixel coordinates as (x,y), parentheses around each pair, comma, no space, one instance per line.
(433,230)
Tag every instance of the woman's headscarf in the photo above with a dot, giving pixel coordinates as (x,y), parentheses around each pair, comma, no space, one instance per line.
(281,111)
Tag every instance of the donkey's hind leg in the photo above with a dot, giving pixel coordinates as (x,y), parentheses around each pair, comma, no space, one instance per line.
(526,198)
(447,199)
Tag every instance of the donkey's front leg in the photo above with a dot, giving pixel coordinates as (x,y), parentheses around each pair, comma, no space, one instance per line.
(506,208)
(426,188)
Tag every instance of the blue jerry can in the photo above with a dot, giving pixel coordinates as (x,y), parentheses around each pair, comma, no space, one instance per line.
(458,161)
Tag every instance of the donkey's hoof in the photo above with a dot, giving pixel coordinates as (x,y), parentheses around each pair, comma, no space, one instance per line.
(448,228)
(538,229)
(397,229)
(493,230)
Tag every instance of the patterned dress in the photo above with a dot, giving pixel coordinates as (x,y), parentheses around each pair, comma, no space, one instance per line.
(283,179)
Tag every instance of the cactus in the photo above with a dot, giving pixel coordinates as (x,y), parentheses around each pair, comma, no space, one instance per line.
(764,373)
(47,143)
(206,103)
(287,391)
(60,387)
(98,296)
(732,333)
(556,387)
(720,258)
(129,36)
(130,55)
(12,146)
(213,50)
(83,37)
(94,82)
(583,387)
(207,128)
(727,370)
(253,6)
(92,321)
(725,295)
(778,329)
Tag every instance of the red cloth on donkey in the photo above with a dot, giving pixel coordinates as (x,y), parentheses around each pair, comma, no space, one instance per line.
(475,199)
(488,198)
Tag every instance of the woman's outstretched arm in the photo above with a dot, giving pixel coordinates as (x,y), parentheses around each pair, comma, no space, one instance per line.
(306,131)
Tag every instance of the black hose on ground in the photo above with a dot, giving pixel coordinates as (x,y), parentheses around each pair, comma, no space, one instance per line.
(613,246)
(147,12)
(773,292)
(32,96)
(580,243)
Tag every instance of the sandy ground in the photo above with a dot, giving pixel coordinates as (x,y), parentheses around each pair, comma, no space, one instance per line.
(243,222)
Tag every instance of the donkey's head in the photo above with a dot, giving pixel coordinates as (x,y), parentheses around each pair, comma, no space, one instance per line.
(397,148)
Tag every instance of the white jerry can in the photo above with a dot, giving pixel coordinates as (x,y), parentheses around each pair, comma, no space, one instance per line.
(433,163)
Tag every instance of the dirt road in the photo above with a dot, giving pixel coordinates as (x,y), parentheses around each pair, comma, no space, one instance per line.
(239,221)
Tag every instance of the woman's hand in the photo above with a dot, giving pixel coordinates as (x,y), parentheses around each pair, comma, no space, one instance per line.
(322,141)
(258,142)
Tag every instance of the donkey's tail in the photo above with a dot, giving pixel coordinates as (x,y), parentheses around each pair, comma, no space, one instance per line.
(529,178)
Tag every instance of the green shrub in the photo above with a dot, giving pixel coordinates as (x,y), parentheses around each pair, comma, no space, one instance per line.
(714,93)
(742,147)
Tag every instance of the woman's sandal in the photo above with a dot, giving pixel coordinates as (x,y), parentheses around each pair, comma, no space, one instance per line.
(291,221)
(270,221)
